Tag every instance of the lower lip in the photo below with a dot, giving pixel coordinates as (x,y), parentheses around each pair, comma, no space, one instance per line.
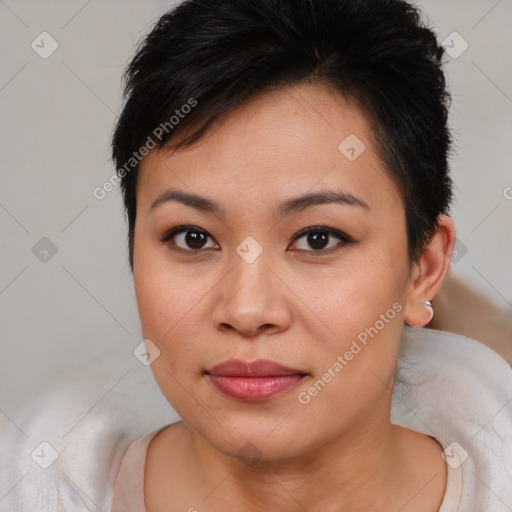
(255,388)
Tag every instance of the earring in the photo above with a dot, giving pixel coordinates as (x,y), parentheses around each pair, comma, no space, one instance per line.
(429,306)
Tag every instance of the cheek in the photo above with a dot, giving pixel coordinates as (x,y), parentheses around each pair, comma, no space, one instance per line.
(355,366)
(163,293)
(168,305)
(168,315)
(358,316)
(342,304)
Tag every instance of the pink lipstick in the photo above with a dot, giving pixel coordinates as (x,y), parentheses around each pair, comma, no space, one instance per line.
(253,381)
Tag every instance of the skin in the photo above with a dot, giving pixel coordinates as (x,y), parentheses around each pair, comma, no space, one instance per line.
(340,451)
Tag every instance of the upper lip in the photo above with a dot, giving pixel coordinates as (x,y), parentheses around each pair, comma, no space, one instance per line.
(258,368)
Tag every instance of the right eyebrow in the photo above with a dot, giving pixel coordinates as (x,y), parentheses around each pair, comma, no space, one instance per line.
(188,199)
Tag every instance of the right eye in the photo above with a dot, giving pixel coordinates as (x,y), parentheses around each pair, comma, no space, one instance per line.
(189,239)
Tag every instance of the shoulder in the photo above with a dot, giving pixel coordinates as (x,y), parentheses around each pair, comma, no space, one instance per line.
(443,343)
(62,450)
(455,373)
(458,390)
(448,358)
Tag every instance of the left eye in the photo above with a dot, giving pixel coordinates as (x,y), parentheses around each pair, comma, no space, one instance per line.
(319,239)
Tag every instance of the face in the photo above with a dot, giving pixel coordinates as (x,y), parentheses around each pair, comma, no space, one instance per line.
(245,282)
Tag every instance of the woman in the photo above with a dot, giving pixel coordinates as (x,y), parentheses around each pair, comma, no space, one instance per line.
(285,178)
(284,168)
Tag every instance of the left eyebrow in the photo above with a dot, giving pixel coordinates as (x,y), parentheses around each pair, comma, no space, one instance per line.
(322,197)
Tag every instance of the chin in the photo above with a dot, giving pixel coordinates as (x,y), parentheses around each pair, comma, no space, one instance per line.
(252,439)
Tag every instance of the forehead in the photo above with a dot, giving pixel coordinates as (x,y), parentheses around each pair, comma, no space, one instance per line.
(292,139)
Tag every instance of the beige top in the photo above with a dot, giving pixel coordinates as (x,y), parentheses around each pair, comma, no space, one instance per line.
(451,387)
(129,485)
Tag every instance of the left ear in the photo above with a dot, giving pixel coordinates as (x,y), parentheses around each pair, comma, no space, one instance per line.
(428,274)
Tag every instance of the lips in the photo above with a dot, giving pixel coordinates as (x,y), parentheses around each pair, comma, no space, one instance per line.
(253,381)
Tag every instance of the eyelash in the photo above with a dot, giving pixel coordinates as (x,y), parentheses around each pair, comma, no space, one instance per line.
(304,232)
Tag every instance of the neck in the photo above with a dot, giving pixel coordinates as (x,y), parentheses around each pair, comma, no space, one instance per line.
(362,469)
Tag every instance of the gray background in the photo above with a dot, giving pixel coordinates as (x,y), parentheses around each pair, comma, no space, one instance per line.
(76,312)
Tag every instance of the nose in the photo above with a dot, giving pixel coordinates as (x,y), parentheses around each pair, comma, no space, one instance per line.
(252,299)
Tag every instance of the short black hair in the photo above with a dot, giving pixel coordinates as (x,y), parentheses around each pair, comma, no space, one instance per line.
(204,58)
